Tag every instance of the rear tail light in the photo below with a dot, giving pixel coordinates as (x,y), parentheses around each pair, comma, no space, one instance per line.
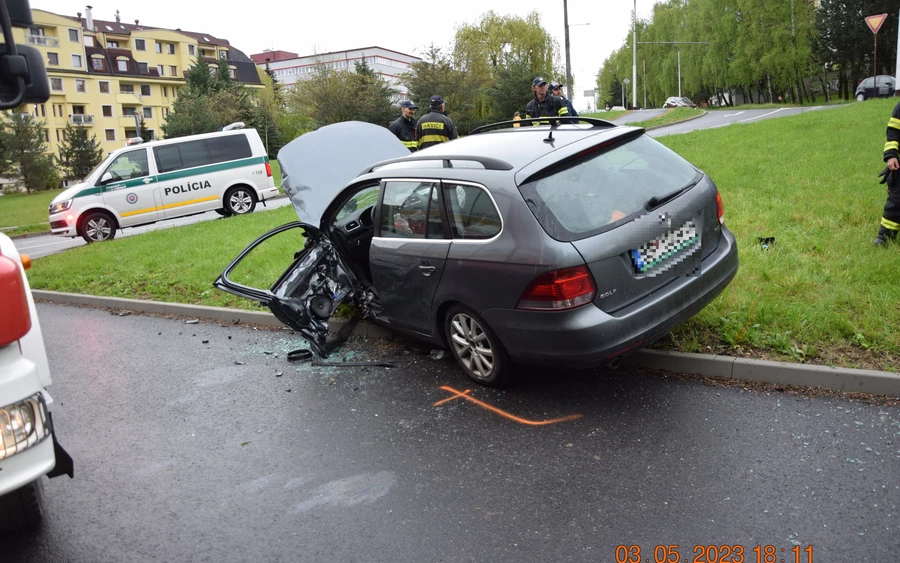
(558,290)
(268,170)
(720,208)
(13,303)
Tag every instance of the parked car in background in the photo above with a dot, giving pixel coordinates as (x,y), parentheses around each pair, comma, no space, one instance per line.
(866,88)
(225,171)
(559,244)
(679,102)
(28,446)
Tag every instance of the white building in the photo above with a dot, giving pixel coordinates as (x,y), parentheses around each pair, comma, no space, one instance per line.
(290,68)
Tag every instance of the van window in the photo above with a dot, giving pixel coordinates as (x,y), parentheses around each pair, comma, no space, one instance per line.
(190,154)
(231,147)
(129,165)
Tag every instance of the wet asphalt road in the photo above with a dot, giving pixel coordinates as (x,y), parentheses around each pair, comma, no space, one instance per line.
(183,454)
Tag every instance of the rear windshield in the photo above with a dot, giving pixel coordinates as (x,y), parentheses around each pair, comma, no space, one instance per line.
(590,195)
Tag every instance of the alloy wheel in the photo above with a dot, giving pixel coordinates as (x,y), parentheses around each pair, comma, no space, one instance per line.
(98,228)
(472,345)
(240,201)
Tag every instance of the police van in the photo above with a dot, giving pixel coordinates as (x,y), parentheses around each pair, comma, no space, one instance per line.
(227,171)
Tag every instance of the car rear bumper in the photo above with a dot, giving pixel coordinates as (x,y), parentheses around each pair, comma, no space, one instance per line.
(588,337)
(268,193)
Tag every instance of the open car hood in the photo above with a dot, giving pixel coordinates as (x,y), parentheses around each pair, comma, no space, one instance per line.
(316,166)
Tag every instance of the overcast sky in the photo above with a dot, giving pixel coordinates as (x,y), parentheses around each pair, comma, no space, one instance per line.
(306,27)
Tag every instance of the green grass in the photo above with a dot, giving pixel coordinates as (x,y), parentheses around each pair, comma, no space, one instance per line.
(27,213)
(674,115)
(276,173)
(821,294)
(607,115)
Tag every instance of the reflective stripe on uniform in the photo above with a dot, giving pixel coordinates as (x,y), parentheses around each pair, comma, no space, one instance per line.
(410,144)
(564,111)
(433,139)
(892,145)
(887,224)
(894,122)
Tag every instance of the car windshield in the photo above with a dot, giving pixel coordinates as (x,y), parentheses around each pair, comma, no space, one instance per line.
(592,194)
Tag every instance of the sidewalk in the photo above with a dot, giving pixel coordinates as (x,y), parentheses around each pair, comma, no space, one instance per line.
(781,373)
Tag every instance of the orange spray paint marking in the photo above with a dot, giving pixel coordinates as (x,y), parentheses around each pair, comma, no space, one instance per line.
(465,395)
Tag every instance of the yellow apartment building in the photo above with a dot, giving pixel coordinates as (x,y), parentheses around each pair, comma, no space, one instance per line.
(104,73)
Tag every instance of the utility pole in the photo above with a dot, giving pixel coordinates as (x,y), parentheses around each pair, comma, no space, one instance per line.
(634,56)
(568,62)
(644,82)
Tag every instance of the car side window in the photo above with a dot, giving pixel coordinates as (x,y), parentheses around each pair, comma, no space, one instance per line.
(368,197)
(471,212)
(411,209)
(132,164)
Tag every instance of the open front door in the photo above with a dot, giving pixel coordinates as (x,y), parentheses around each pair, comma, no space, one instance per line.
(306,293)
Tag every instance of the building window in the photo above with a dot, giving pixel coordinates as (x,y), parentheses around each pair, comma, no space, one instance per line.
(140,44)
(110,134)
(104,87)
(88,41)
(161,69)
(73,35)
(126,88)
(143,68)
(47,135)
(233,73)
(52,58)
(112,44)
(192,50)
(145,89)
(76,61)
(107,111)
(128,111)
(158,47)
(165,112)
(43,110)
(97,64)
(171,48)
(56,84)
(165,91)
(122,66)
(148,113)
(223,54)
(80,86)
(173,70)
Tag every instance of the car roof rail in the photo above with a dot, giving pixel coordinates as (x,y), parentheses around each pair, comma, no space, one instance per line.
(486,161)
(552,121)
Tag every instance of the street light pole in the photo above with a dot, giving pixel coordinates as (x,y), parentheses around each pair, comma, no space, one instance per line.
(634,56)
(568,62)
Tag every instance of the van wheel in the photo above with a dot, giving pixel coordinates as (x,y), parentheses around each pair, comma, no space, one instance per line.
(860,97)
(22,507)
(240,200)
(97,226)
(476,348)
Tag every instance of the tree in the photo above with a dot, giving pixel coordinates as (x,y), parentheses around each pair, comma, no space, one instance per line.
(78,153)
(332,96)
(145,134)
(22,137)
(192,114)
(437,74)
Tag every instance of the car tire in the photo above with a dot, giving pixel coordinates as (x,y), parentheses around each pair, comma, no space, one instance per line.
(97,226)
(240,200)
(476,348)
(860,97)
(23,507)
(222,212)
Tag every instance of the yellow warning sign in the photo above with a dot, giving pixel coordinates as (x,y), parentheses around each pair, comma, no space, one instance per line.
(874,22)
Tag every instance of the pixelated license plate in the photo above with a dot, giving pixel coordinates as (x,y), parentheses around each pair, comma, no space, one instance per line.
(662,253)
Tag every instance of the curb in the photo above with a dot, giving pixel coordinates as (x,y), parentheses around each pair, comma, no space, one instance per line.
(708,365)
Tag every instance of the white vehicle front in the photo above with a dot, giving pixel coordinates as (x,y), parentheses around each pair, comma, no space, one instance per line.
(28,445)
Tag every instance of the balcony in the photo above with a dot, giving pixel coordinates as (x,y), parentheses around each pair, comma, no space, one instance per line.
(81,119)
(129,98)
(42,40)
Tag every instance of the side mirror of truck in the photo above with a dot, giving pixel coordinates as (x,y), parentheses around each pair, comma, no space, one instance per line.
(23,76)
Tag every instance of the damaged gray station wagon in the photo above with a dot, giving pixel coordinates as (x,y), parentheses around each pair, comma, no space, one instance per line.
(563,242)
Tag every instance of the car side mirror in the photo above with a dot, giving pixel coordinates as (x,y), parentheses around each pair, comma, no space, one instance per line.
(23,77)
(105,179)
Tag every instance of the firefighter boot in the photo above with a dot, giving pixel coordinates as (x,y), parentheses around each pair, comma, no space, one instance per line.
(884,235)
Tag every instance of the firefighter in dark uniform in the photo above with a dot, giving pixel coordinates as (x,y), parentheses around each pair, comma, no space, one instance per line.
(435,127)
(544,104)
(404,127)
(890,220)
(556,90)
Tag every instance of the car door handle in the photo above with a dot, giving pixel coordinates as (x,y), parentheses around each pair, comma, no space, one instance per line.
(147,180)
(426,270)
